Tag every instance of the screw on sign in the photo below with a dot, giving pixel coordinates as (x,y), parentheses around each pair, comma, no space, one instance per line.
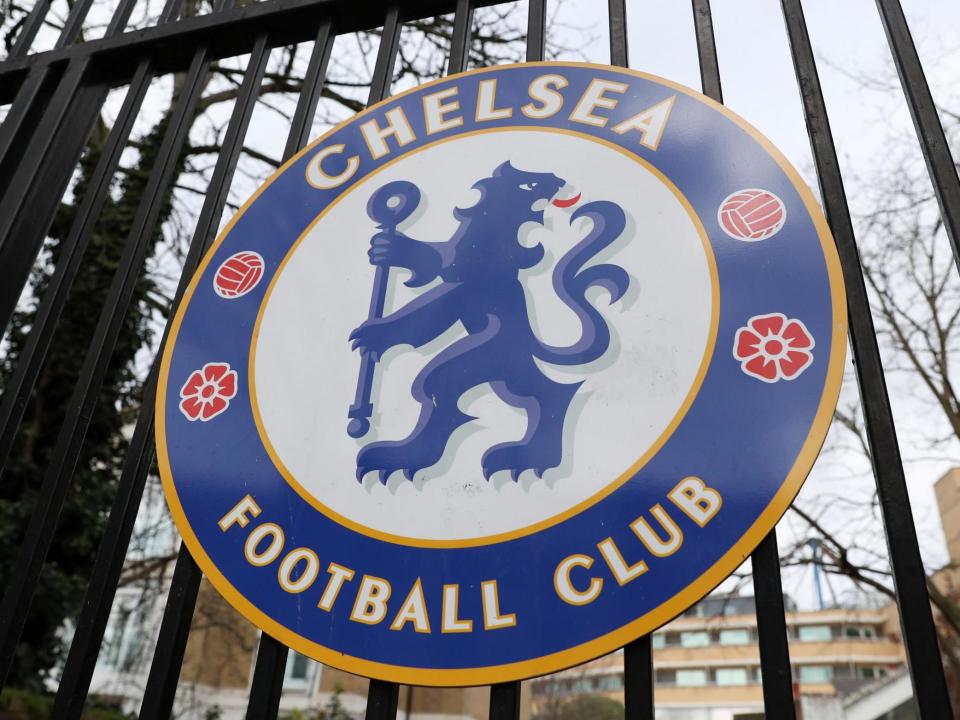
(238,274)
(752,215)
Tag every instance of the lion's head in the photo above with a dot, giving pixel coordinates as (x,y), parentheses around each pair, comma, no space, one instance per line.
(512,194)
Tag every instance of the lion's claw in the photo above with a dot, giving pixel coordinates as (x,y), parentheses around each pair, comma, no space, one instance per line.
(517,457)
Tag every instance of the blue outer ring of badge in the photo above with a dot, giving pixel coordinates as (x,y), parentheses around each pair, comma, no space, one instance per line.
(736,435)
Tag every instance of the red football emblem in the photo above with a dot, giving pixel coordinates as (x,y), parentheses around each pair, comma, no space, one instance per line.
(752,215)
(238,275)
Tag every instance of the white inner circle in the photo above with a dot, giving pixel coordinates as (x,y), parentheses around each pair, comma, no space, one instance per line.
(305,373)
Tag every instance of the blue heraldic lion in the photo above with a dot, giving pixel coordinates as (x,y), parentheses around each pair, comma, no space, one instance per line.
(480,287)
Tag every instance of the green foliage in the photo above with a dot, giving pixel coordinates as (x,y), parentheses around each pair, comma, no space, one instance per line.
(70,560)
(333,710)
(25,705)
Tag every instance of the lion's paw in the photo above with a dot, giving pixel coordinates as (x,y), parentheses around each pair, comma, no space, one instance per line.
(518,457)
(386,458)
(371,337)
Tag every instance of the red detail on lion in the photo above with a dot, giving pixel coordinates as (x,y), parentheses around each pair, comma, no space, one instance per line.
(569,202)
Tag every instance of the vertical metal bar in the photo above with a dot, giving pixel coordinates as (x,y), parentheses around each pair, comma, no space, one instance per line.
(34,183)
(267,685)
(707,50)
(505,701)
(30,28)
(920,638)
(383,696)
(161,688)
(460,41)
(219,187)
(74,23)
(617,10)
(95,613)
(772,630)
(926,120)
(26,113)
(310,91)
(40,531)
(44,134)
(43,173)
(771,620)
(382,699)
(386,56)
(16,128)
(638,702)
(536,29)
(638,679)
(20,384)
(505,697)
(165,669)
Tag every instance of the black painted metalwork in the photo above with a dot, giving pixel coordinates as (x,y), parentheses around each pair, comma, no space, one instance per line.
(919,635)
(92,623)
(56,97)
(926,119)
(460,41)
(638,693)
(382,700)
(267,685)
(161,689)
(778,698)
(505,701)
(617,10)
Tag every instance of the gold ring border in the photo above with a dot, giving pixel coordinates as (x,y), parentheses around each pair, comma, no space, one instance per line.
(728,562)
(586,502)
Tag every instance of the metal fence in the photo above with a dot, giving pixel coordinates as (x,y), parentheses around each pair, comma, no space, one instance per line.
(56,96)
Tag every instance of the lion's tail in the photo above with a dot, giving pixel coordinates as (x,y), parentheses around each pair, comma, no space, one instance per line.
(571,282)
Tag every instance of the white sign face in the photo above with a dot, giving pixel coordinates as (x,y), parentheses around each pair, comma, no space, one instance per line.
(661,333)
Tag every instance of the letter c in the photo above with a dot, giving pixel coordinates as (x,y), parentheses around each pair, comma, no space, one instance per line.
(319,179)
(564,587)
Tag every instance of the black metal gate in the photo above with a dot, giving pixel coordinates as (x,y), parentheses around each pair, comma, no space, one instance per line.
(55,98)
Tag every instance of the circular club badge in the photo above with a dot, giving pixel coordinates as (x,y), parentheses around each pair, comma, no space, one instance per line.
(501,374)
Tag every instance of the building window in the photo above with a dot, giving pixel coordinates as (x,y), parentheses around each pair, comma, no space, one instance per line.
(691,678)
(297,673)
(666,677)
(659,641)
(583,685)
(694,639)
(734,637)
(608,683)
(815,673)
(731,676)
(854,631)
(814,633)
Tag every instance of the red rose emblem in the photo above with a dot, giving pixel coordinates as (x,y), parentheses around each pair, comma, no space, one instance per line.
(208,391)
(773,347)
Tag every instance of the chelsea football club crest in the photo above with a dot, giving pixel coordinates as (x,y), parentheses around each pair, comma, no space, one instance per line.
(501,374)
